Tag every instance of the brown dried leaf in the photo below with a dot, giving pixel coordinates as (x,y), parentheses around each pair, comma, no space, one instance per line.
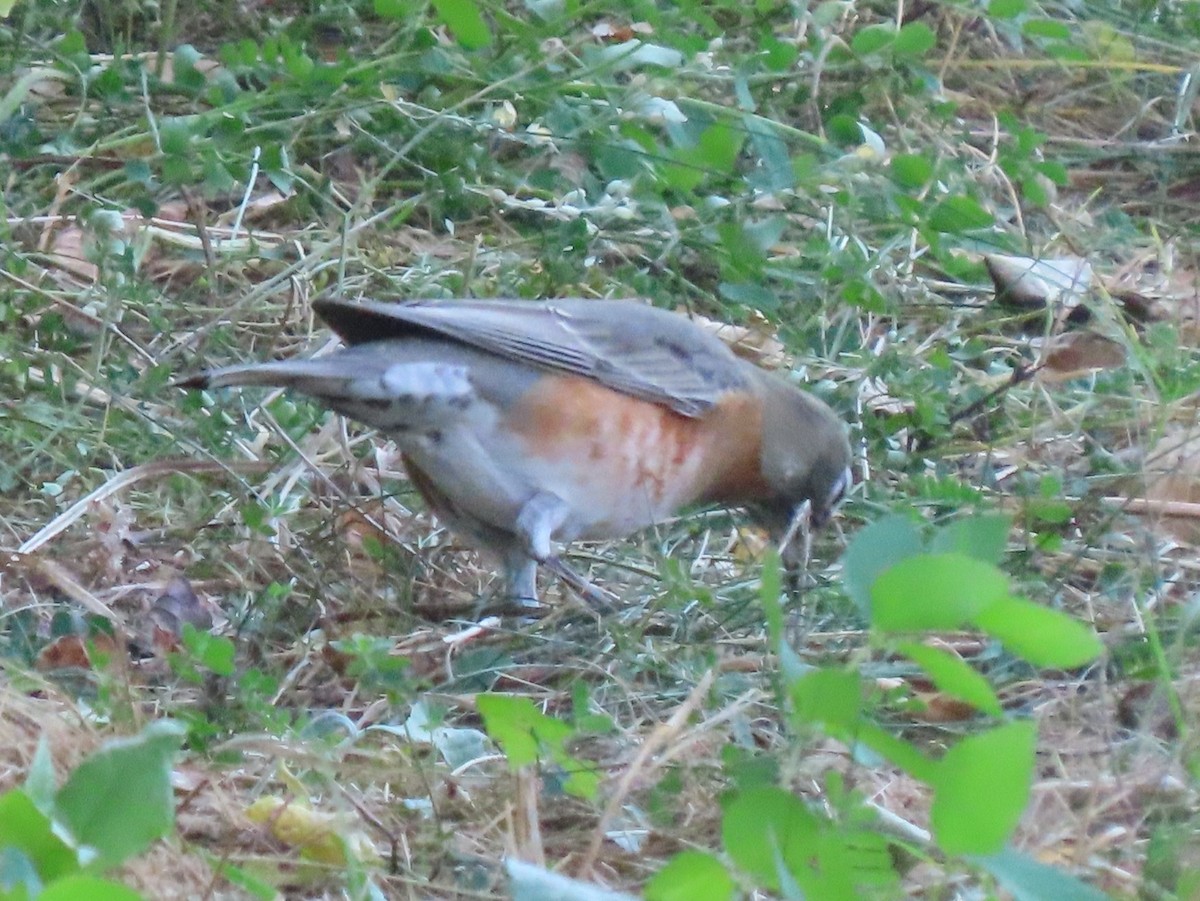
(877,398)
(1173,476)
(755,342)
(1072,354)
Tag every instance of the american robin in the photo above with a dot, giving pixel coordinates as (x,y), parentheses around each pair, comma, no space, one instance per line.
(524,423)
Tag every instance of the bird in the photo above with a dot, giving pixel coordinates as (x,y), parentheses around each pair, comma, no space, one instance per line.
(530,424)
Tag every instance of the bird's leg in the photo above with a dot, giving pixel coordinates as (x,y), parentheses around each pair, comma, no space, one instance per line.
(540,517)
(521,579)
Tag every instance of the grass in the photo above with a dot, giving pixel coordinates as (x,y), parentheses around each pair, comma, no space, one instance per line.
(821,177)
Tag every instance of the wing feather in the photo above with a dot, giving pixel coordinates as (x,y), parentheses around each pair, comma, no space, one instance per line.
(627,346)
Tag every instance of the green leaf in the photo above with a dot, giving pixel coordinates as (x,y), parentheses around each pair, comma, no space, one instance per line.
(1046,28)
(770,593)
(749,294)
(41,783)
(983,537)
(396,10)
(691,876)
(767,826)
(953,676)
(935,591)
(914,40)
(981,787)
(518,727)
(874,550)
(30,831)
(1028,880)
(214,652)
(956,215)
(911,170)
(87,888)
(6,6)
(465,20)
(872,39)
(119,800)
(1007,9)
(1044,637)
(526,735)
(831,698)
(715,152)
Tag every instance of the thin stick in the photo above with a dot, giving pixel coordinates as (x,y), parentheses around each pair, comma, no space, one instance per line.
(657,739)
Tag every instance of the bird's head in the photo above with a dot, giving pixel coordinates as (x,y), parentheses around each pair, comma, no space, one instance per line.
(805,463)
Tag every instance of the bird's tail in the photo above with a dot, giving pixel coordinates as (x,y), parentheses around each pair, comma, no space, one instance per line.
(314,377)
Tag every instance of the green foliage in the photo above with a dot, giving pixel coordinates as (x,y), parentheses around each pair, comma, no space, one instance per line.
(527,737)
(53,843)
(906,583)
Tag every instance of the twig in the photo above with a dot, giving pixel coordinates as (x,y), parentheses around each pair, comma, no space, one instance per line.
(662,734)
(170,466)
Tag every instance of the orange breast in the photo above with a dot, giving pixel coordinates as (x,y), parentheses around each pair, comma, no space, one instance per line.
(625,463)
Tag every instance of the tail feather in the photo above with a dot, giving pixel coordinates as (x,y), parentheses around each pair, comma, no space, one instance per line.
(302,375)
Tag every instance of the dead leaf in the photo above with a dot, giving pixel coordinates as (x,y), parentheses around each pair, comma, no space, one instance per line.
(878,399)
(755,342)
(1034,284)
(1076,353)
(1172,472)
(324,837)
(177,606)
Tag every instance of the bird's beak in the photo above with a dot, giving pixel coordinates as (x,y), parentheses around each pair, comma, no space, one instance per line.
(795,539)
(795,542)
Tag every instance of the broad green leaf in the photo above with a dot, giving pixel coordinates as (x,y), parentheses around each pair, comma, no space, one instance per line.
(831,698)
(983,536)
(1046,28)
(464,19)
(715,152)
(914,40)
(911,170)
(876,548)
(872,39)
(956,215)
(27,829)
(1028,880)
(393,9)
(749,294)
(6,6)
(213,652)
(766,826)
(87,888)
(691,876)
(981,787)
(935,591)
(1044,637)
(519,728)
(119,800)
(953,676)
(1007,9)
(526,735)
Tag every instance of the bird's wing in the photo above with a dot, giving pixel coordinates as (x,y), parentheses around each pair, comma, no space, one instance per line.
(627,346)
